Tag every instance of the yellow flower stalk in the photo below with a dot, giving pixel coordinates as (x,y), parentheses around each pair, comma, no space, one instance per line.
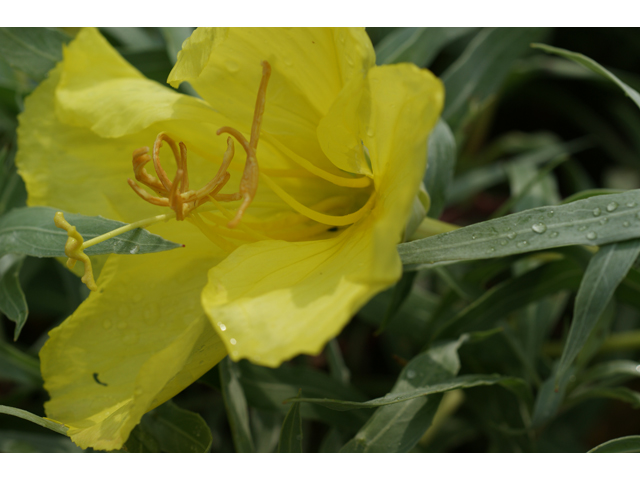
(286,237)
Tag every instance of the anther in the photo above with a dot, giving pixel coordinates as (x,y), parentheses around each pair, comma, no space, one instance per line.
(177,195)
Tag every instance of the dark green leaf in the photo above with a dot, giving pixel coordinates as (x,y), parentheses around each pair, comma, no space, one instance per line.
(337,367)
(623,394)
(13,441)
(169,428)
(616,369)
(18,366)
(291,432)
(34,51)
(416,45)
(630,444)
(397,428)
(593,66)
(483,66)
(236,405)
(440,166)
(31,231)
(267,388)
(550,397)
(463,381)
(514,294)
(399,294)
(174,37)
(607,268)
(593,221)
(12,302)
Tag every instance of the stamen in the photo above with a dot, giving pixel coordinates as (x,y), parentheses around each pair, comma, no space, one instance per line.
(335,220)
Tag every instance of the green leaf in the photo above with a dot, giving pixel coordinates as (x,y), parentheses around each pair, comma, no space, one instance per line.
(607,268)
(593,66)
(13,302)
(440,166)
(172,429)
(400,292)
(614,370)
(236,405)
(337,367)
(174,37)
(34,51)
(463,381)
(291,432)
(623,394)
(31,231)
(593,221)
(483,66)
(630,444)
(512,295)
(267,388)
(397,428)
(550,397)
(416,45)
(19,367)
(43,422)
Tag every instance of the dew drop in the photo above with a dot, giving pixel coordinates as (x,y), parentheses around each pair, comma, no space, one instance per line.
(625,224)
(582,228)
(612,206)
(631,204)
(539,228)
(222,326)
(106,324)
(134,250)
(523,243)
(550,213)
(491,250)
(411,374)
(553,234)
(473,237)
(596,212)
(603,221)
(511,235)
(592,236)
(503,242)
(232,341)
(638,368)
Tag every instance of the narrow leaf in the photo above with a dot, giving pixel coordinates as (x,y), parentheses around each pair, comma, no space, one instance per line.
(291,432)
(43,422)
(397,428)
(416,45)
(31,231)
(630,444)
(483,66)
(12,302)
(34,51)
(593,221)
(400,292)
(463,381)
(440,166)
(607,268)
(593,66)
(236,405)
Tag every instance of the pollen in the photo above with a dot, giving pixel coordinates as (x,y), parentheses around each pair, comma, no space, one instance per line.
(176,194)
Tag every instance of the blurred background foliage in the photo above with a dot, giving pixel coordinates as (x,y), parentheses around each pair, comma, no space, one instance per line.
(523,129)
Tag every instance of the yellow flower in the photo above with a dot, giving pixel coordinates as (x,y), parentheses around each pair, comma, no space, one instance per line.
(276,260)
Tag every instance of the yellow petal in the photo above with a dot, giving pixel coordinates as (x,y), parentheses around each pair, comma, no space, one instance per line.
(98,89)
(137,341)
(75,169)
(273,300)
(310,67)
(405,105)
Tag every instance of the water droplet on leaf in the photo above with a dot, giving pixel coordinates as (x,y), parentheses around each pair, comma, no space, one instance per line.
(592,236)
(523,243)
(631,204)
(553,234)
(134,250)
(539,228)
(512,235)
(222,326)
(411,374)
(612,206)
(596,212)
(232,341)
(625,224)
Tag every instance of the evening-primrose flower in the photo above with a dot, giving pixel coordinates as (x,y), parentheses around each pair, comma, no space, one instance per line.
(283,244)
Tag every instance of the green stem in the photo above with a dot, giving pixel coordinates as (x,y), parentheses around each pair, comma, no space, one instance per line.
(430,227)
